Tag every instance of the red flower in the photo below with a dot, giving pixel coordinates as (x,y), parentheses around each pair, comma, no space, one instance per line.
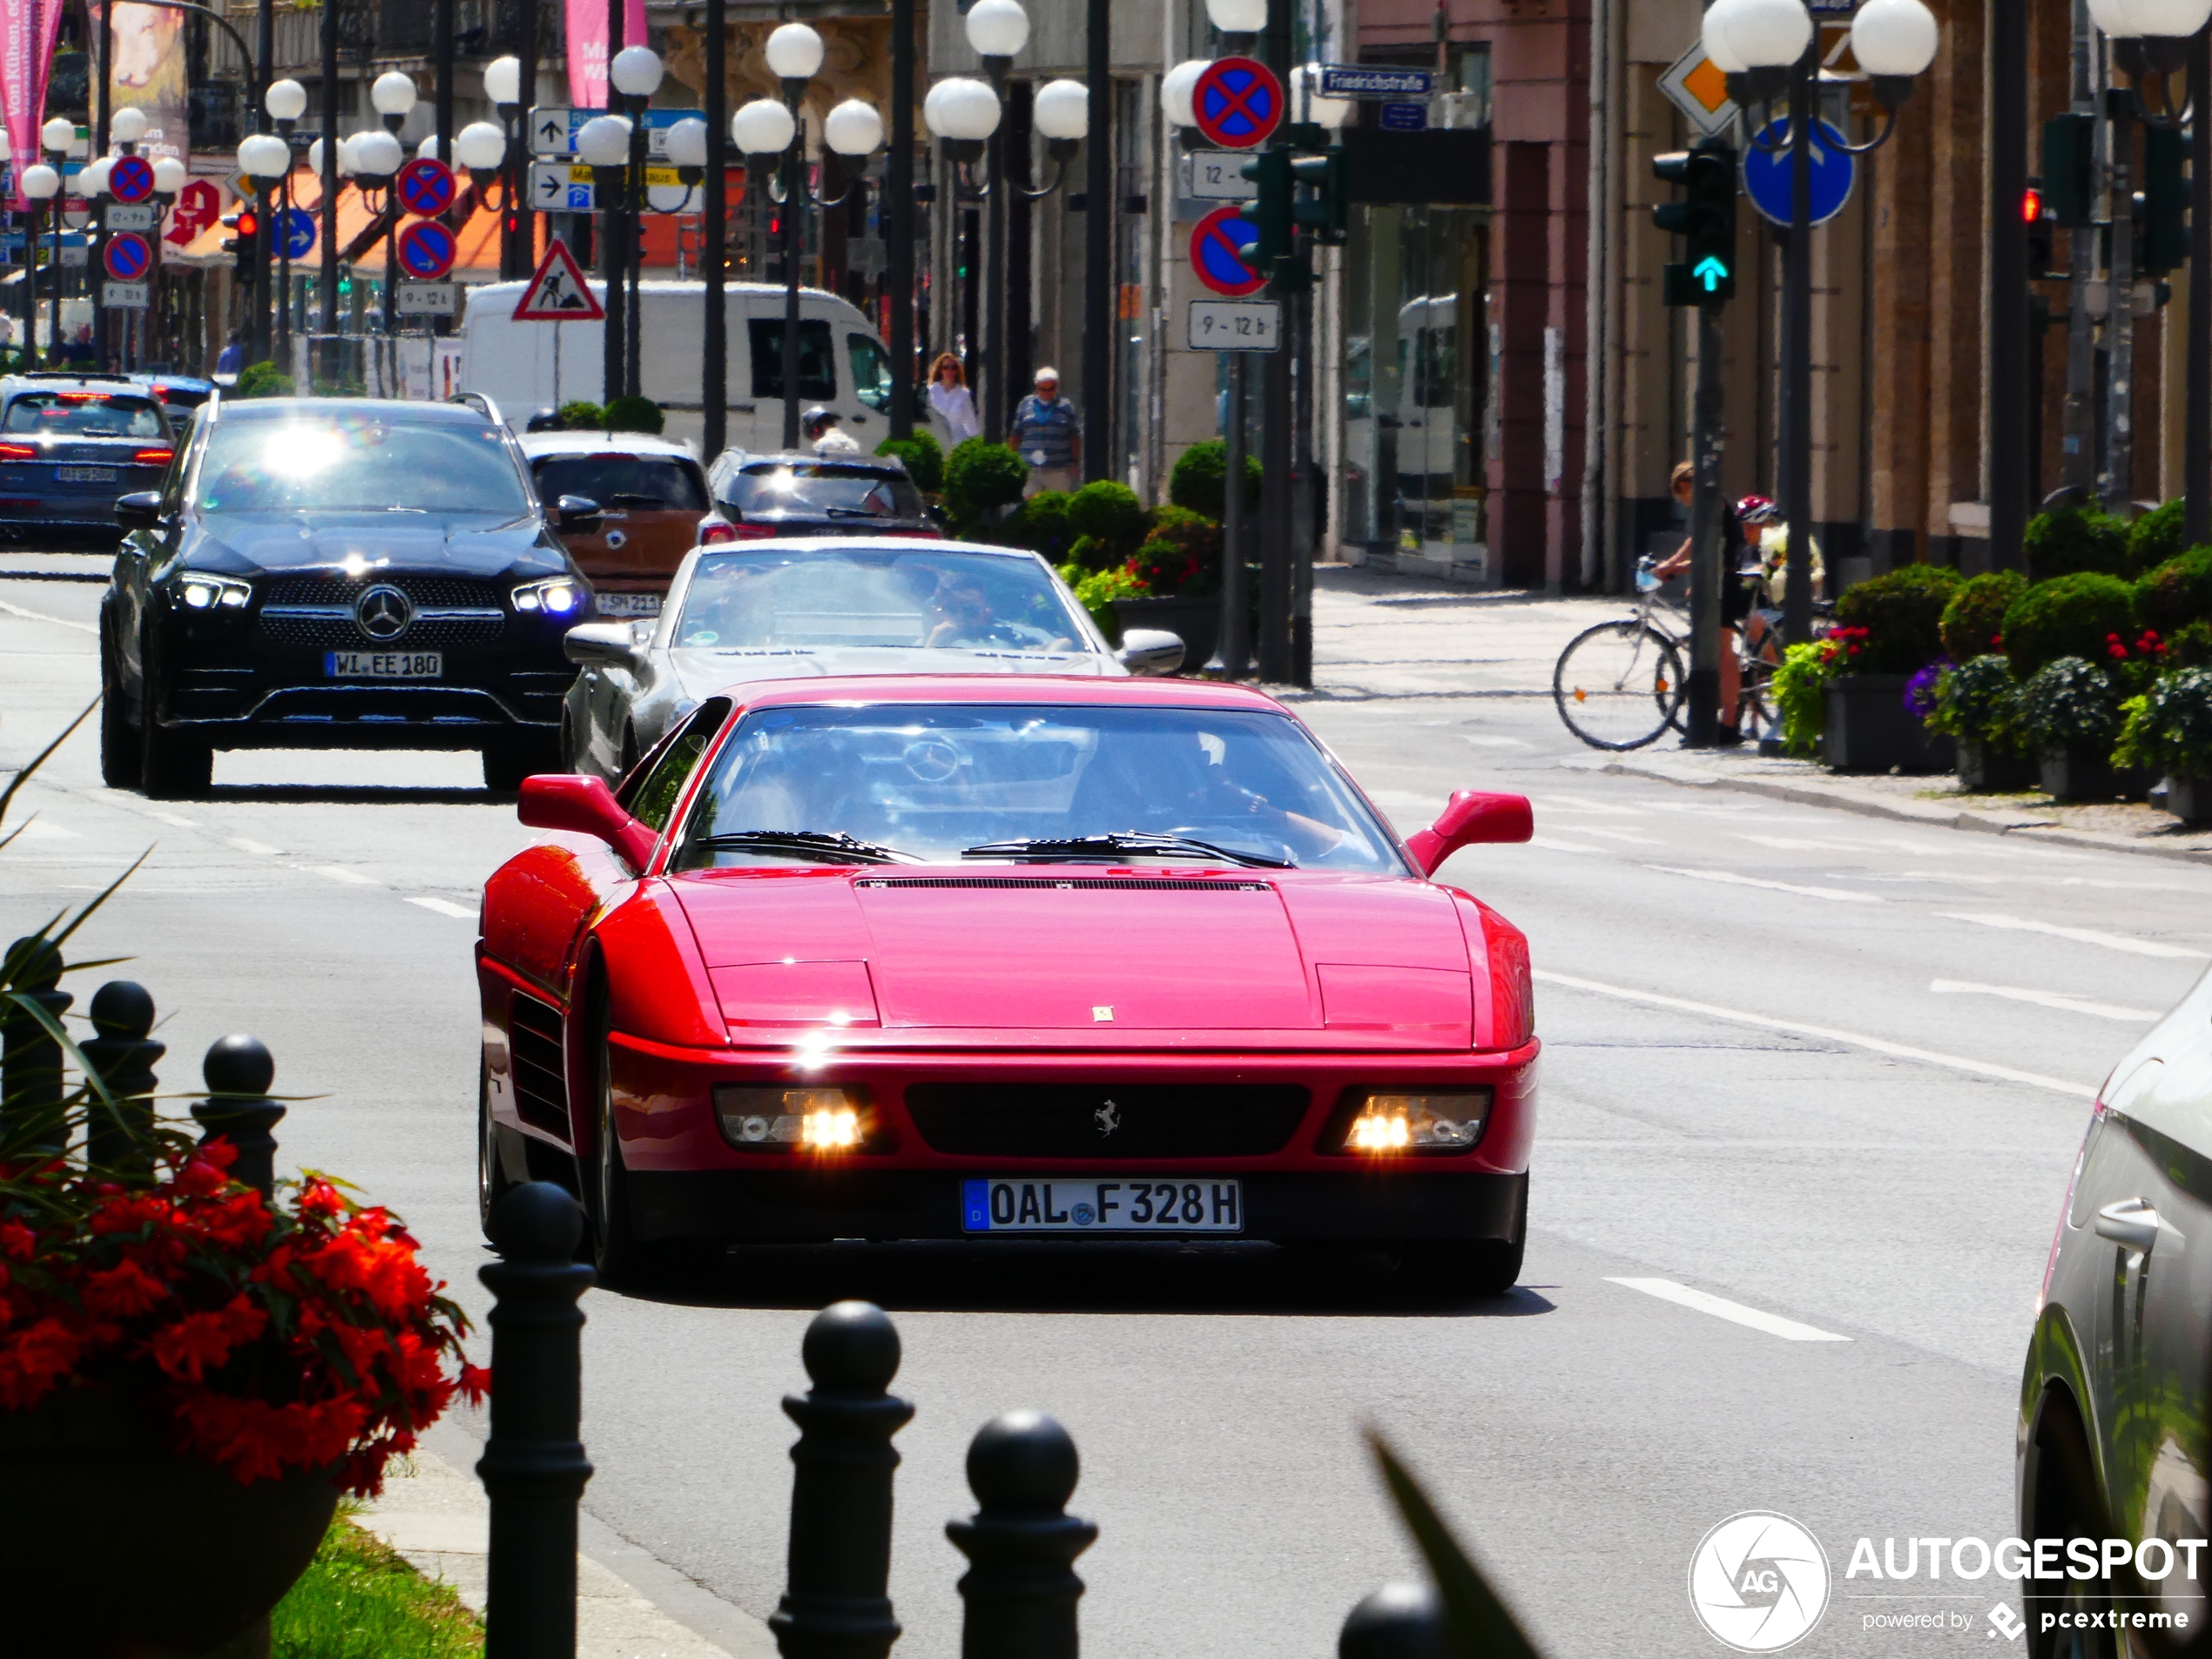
(123,1290)
(476,1383)
(33,1359)
(18,1242)
(200,1342)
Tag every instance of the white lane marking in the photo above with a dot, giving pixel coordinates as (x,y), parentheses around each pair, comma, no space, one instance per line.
(181,823)
(37,829)
(1584,803)
(1721,1308)
(2080,935)
(40,616)
(339,872)
(1837,894)
(1497,742)
(1798,843)
(2044,999)
(1878,1045)
(1629,837)
(445,908)
(1551,845)
(261,848)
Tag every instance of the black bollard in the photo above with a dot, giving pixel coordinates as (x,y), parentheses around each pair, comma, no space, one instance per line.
(836,1601)
(533,1467)
(30,1060)
(1398,1622)
(1021,1586)
(120,1137)
(238,1072)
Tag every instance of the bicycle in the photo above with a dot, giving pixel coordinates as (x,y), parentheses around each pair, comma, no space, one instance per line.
(1619,685)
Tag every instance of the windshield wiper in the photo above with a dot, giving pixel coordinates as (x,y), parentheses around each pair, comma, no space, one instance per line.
(1125,841)
(854,512)
(824,848)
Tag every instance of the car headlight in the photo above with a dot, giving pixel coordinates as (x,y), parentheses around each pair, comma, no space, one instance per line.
(556,595)
(1417,1122)
(776,1118)
(197,592)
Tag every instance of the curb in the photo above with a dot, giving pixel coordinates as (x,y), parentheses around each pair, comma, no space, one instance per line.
(1841,798)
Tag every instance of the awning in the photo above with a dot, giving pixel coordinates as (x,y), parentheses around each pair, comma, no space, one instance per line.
(477,260)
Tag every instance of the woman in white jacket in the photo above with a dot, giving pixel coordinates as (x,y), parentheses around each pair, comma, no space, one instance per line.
(950,398)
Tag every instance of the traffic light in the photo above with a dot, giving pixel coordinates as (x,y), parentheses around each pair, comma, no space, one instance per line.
(2163,242)
(2037,218)
(1704,218)
(1327,211)
(2069,169)
(242,244)
(1271,209)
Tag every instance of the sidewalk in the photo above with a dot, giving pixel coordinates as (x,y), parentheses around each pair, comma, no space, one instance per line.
(434,1512)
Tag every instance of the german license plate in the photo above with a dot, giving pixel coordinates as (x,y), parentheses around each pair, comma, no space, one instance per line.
(1057,1205)
(628,604)
(383,665)
(85,474)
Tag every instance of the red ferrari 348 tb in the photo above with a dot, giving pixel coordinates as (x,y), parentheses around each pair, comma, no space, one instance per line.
(1007,957)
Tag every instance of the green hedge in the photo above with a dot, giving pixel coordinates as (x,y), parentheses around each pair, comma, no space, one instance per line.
(1974,620)
(2071,616)
(2073,540)
(1903,614)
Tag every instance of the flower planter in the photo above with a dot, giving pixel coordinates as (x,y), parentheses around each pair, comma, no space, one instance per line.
(1985,769)
(1197,622)
(1869,729)
(110,1545)
(2189,799)
(2085,772)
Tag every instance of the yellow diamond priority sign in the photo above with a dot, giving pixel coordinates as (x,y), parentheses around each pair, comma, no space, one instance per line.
(1696,87)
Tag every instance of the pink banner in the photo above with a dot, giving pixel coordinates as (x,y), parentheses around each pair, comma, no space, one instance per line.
(587,30)
(27,31)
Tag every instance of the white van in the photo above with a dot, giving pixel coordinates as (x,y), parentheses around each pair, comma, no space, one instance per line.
(843,366)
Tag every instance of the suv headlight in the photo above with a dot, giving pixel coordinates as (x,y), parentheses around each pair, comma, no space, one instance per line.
(1384,1123)
(556,595)
(197,592)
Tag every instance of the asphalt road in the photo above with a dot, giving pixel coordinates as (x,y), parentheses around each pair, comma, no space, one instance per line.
(1831,1069)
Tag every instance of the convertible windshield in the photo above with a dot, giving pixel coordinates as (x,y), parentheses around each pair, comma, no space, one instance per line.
(878,597)
(1022,782)
(802,487)
(359,463)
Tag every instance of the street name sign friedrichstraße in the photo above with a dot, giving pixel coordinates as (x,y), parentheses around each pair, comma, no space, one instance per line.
(1374,81)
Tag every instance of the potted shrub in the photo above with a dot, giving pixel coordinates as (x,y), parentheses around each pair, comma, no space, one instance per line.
(2158,535)
(2168,729)
(2073,539)
(191,1374)
(1976,702)
(1179,564)
(1892,629)
(980,479)
(1973,621)
(2173,595)
(2068,717)
(2069,616)
(1197,480)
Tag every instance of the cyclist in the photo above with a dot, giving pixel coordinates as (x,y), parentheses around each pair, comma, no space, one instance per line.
(1736,594)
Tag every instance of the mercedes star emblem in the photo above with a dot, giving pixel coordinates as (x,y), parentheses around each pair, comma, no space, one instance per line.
(383,612)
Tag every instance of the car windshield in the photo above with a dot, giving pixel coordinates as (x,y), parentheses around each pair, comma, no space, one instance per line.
(840,492)
(934,780)
(926,600)
(359,463)
(641,483)
(84,415)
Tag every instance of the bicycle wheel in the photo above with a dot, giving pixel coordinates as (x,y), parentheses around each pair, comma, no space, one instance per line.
(1618,686)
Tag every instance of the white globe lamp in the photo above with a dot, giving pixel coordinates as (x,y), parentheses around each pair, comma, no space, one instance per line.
(763,127)
(503,82)
(853,128)
(794,52)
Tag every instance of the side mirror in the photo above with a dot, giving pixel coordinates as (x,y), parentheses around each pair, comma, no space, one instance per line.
(606,645)
(587,806)
(1149,650)
(139,510)
(575,516)
(1471,817)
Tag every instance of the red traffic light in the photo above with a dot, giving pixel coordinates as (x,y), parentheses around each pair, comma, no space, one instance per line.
(249,223)
(2030,205)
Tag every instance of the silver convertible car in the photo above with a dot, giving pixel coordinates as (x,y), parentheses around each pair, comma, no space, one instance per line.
(819,605)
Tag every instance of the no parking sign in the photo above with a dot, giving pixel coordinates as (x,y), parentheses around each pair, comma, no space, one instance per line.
(1239,102)
(1219,249)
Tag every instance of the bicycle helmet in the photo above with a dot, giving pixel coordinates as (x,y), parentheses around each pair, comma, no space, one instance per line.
(816,420)
(1756,509)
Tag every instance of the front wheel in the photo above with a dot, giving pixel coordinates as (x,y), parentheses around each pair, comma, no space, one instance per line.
(119,740)
(492,1183)
(617,1255)
(1618,686)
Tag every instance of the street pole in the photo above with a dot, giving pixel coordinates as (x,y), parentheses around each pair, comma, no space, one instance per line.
(1707,574)
(794,172)
(524,220)
(2078,416)
(714,390)
(265,51)
(1797,360)
(995,386)
(103,99)
(2196,462)
(2120,307)
(634,247)
(2010,321)
(330,365)
(614,265)
(1101,314)
(1236,650)
(898,228)
(1275,549)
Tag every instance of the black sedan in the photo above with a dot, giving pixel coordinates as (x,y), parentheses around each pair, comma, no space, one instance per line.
(758,497)
(338,574)
(70,444)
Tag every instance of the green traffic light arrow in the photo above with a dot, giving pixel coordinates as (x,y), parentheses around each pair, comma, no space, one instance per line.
(1711,272)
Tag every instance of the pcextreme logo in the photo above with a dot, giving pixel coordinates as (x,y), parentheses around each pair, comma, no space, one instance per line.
(1758,1581)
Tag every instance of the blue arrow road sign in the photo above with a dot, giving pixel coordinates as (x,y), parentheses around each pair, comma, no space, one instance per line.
(1766,175)
(295,232)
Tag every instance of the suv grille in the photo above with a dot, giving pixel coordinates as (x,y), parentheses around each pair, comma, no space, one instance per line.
(432,590)
(319,611)
(1106,1120)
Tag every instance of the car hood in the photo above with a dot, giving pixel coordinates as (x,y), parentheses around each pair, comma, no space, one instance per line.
(462,544)
(701,673)
(1126,956)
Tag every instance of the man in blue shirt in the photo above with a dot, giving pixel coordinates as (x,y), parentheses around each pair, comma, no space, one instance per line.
(1048,435)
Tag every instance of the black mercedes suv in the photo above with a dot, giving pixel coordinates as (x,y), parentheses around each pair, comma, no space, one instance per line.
(336,573)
